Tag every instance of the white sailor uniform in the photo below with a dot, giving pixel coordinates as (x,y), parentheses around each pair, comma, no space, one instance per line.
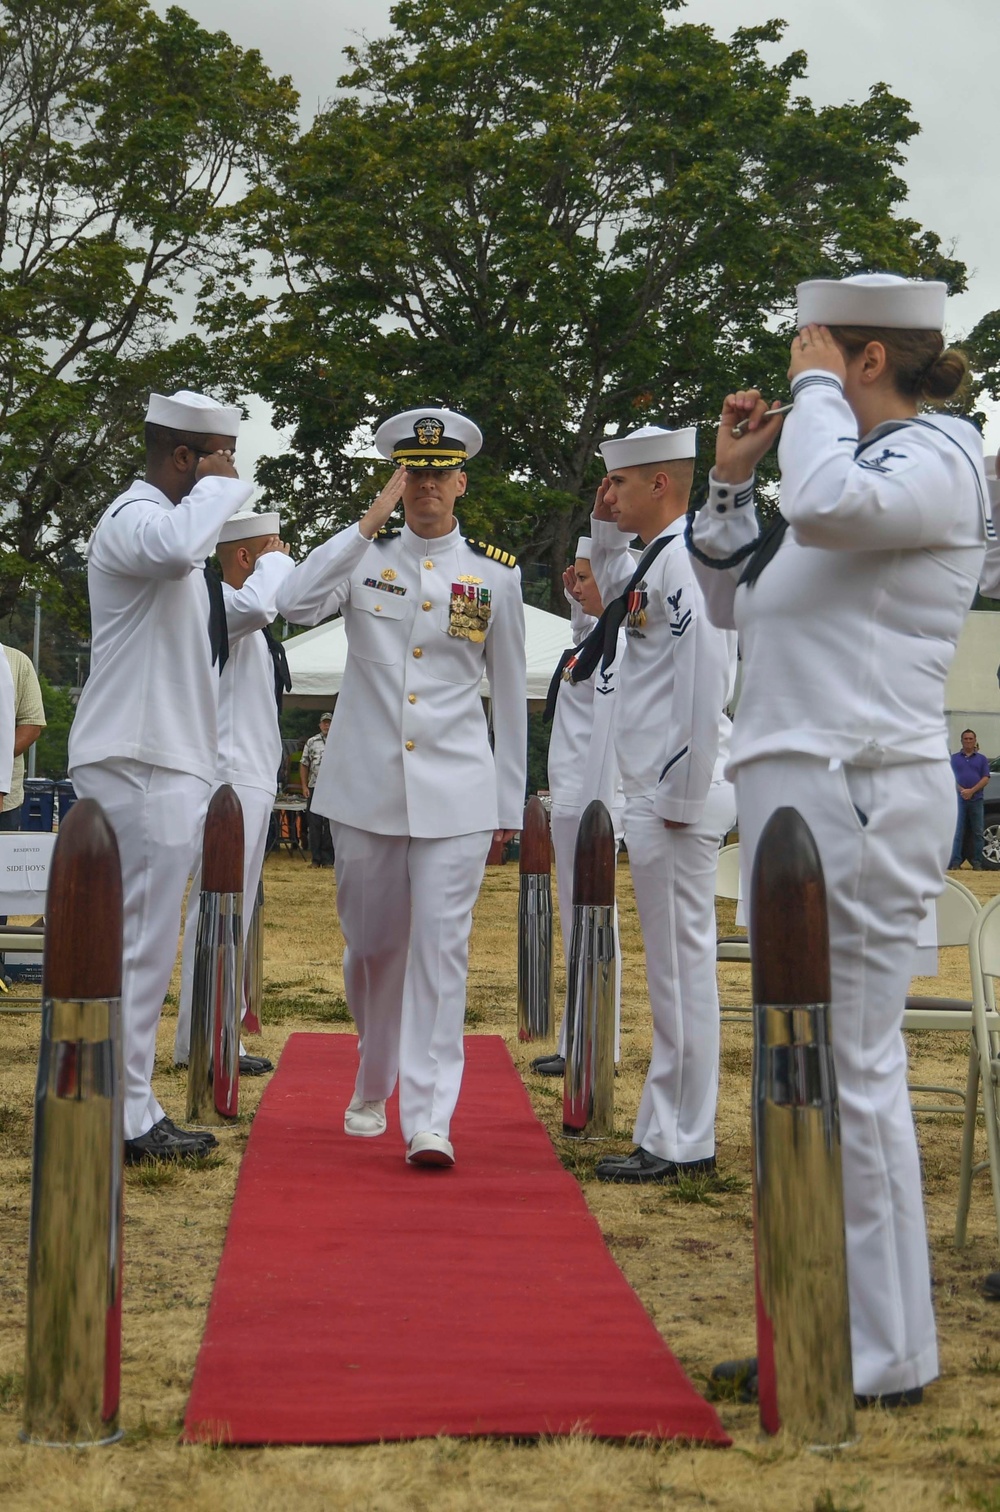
(412,788)
(671,740)
(145,737)
(581,767)
(846,638)
(249,749)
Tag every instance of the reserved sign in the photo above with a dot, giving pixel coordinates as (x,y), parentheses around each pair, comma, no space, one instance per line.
(25,858)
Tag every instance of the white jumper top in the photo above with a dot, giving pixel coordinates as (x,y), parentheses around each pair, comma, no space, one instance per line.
(670,727)
(249,734)
(582,764)
(153,693)
(408,751)
(848,633)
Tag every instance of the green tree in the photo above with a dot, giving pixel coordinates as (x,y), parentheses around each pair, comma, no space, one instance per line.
(128,143)
(567,219)
(52,746)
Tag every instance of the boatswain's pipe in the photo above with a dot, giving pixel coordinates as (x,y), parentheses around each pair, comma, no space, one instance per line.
(73,1355)
(535,963)
(253,967)
(217,994)
(803,1322)
(589,1085)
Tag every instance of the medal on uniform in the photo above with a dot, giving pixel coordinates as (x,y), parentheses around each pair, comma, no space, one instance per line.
(470,610)
(636,607)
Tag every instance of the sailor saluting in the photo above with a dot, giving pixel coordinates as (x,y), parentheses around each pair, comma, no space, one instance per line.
(413,791)
(849,608)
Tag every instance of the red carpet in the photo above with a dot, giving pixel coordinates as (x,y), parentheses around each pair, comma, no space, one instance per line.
(359,1299)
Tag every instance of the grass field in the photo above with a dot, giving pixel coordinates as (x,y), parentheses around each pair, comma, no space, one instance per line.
(687,1252)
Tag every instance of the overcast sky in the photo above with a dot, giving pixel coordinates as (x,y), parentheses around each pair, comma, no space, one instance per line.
(943,59)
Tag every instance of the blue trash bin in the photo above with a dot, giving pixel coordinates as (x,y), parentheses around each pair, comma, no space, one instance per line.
(66,796)
(38,811)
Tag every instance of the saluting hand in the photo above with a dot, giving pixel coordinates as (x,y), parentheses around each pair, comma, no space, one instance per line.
(736,457)
(814,347)
(570,583)
(218,464)
(601,509)
(273,543)
(384,504)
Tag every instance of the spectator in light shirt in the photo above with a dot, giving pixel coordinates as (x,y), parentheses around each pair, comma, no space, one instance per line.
(972,773)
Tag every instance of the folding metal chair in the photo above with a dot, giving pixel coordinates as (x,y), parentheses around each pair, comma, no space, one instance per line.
(984,1064)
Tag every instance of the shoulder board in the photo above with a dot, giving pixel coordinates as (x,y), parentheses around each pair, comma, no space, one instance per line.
(387,533)
(495,553)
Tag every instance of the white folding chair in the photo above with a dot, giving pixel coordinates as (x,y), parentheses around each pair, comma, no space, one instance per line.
(727,885)
(984,1064)
(956,912)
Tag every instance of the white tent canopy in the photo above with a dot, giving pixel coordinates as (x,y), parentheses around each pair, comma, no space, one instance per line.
(316,658)
(971,695)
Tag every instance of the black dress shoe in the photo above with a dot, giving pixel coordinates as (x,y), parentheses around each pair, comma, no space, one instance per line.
(255,1065)
(991,1286)
(164,1141)
(549,1065)
(641,1166)
(735,1378)
(892,1399)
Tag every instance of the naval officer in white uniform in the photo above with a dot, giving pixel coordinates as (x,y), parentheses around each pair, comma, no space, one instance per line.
(412,789)
(254,563)
(849,608)
(144,741)
(671,739)
(581,767)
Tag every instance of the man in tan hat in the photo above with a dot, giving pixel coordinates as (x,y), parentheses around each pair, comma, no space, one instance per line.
(318,826)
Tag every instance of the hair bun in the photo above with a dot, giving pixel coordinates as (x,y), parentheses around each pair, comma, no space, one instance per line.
(945,375)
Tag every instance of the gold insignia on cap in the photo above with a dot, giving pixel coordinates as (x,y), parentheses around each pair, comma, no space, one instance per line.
(428,431)
(389,574)
(467,578)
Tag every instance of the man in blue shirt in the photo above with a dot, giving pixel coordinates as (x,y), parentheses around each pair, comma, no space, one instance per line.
(972,773)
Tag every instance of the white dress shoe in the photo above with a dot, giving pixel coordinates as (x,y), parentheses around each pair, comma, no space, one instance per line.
(427,1149)
(363,1119)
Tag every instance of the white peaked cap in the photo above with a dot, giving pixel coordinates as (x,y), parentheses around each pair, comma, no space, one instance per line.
(429,437)
(992,481)
(650,444)
(583,549)
(872,299)
(246,524)
(185,411)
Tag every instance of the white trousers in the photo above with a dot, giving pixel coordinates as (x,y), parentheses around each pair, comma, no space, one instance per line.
(881,874)
(564,826)
(405,907)
(673,873)
(158,816)
(256,806)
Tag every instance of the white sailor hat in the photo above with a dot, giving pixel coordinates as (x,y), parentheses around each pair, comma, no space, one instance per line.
(185,411)
(246,524)
(650,444)
(421,438)
(872,299)
(583,549)
(992,481)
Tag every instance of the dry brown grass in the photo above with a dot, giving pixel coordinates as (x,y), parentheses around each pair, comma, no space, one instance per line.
(687,1253)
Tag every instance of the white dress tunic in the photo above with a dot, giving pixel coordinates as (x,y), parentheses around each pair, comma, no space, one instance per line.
(249,750)
(145,738)
(413,790)
(846,637)
(582,766)
(676,678)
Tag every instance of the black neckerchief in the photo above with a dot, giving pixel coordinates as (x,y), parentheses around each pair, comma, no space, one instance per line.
(601,645)
(218,630)
(556,683)
(282,676)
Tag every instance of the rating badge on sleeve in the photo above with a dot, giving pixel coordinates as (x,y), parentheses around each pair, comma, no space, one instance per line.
(470,611)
